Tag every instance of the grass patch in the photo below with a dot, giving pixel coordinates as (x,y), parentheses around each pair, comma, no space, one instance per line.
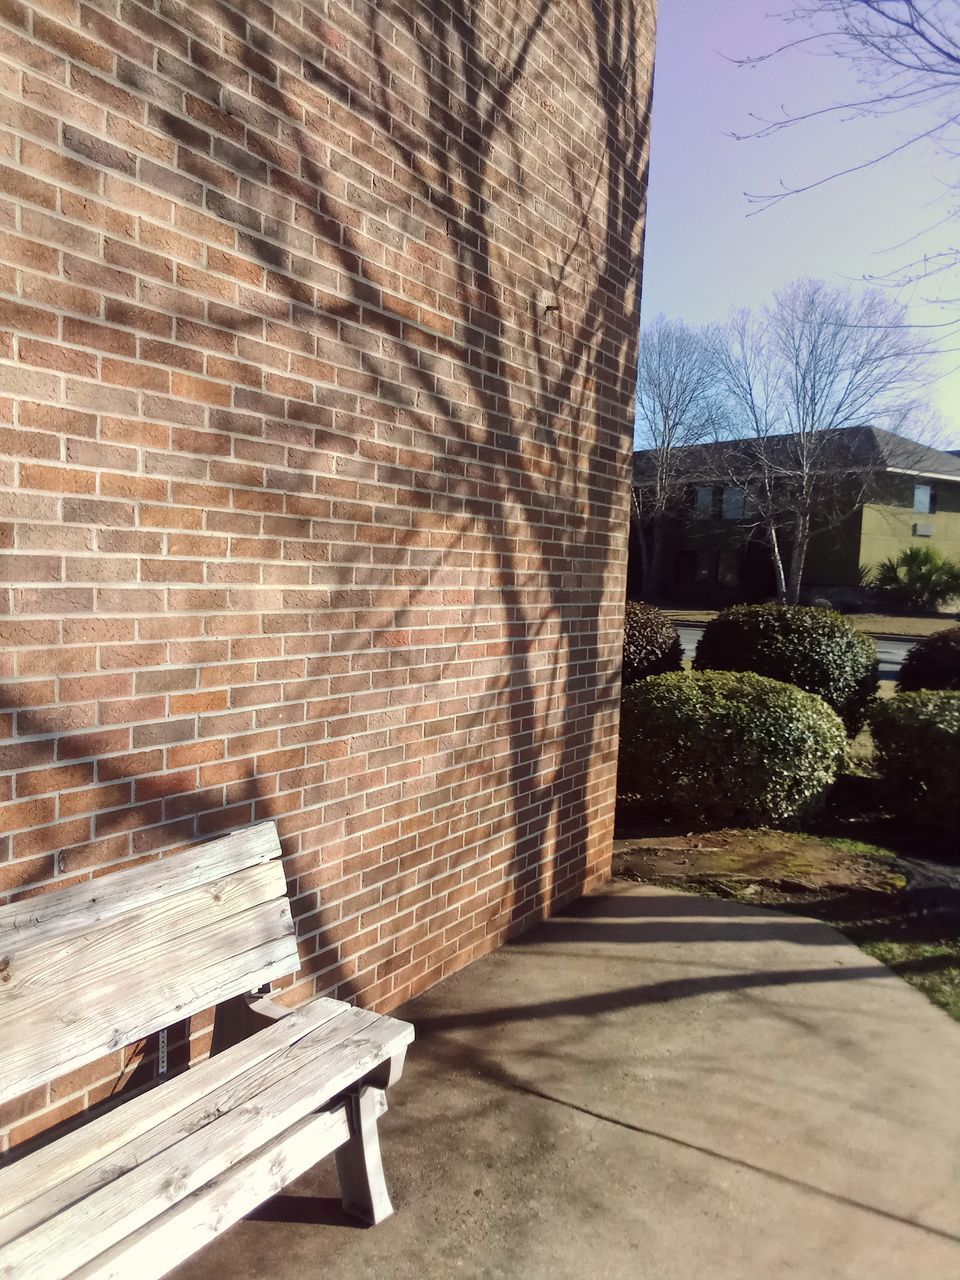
(861,847)
(932,967)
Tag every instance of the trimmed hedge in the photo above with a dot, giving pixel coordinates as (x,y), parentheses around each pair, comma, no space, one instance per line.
(815,649)
(727,747)
(932,663)
(651,643)
(917,738)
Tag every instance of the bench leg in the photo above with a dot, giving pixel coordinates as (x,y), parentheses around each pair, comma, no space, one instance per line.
(362,1186)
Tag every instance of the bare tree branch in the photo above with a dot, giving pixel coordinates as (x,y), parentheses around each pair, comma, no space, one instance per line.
(676,408)
(905,57)
(814,362)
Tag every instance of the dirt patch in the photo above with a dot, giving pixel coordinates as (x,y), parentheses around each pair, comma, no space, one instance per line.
(903,910)
(759,862)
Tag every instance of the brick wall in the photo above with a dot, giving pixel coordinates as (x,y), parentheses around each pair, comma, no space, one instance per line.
(317,346)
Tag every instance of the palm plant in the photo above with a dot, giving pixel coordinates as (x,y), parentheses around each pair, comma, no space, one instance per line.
(919,579)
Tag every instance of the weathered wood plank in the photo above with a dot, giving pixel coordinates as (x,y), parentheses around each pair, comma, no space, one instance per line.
(77,1235)
(101,999)
(33,963)
(196,1220)
(72,1153)
(121,939)
(229,1094)
(90,903)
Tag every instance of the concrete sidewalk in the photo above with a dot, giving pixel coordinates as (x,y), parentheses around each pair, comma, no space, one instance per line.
(652,1085)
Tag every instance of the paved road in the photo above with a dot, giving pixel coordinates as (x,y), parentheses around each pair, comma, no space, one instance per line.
(891,652)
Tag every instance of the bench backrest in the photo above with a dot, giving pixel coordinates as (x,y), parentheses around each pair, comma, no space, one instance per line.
(88,969)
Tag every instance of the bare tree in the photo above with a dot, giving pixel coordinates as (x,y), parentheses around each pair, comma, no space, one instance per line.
(815,361)
(905,56)
(675,409)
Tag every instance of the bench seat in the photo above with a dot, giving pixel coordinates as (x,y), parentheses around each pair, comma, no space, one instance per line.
(146,1185)
(141,1187)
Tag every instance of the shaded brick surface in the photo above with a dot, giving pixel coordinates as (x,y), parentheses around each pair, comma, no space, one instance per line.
(317,349)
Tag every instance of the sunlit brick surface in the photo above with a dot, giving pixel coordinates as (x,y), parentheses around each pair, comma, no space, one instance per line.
(317,348)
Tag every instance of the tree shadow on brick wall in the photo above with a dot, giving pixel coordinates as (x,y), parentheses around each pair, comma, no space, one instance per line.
(522,391)
(459,141)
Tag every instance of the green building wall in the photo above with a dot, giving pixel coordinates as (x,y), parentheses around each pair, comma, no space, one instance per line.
(889,524)
(834,555)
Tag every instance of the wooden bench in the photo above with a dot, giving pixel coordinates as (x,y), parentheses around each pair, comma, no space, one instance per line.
(94,967)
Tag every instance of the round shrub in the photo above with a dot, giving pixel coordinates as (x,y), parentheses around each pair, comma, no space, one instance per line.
(651,644)
(917,739)
(727,747)
(932,663)
(815,649)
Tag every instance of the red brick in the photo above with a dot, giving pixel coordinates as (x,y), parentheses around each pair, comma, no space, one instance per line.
(99,513)
(58,479)
(58,293)
(95,799)
(200,389)
(28,844)
(127,374)
(27,253)
(100,569)
(32,191)
(82,333)
(26,813)
(47,355)
(135,487)
(56,600)
(29,319)
(71,43)
(55,661)
(45,417)
(95,214)
(18,568)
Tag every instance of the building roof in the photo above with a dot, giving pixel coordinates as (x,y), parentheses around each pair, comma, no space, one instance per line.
(900,454)
(852,449)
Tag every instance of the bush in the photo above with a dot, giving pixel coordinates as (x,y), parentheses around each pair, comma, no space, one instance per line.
(932,663)
(651,645)
(917,738)
(727,747)
(815,649)
(918,580)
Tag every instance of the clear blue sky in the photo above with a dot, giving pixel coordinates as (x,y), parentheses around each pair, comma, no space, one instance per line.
(704,254)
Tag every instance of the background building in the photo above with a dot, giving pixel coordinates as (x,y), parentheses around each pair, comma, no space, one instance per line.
(886,493)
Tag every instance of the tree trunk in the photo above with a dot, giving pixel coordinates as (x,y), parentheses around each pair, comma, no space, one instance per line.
(777,559)
(801,539)
(641,542)
(656,559)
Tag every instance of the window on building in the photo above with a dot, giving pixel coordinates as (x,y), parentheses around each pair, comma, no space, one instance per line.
(703,500)
(734,503)
(705,566)
(728,569)
(924,499)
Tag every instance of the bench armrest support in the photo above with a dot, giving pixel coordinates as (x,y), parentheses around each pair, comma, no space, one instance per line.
(359,1166)
(241,1016)
(387,1073)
